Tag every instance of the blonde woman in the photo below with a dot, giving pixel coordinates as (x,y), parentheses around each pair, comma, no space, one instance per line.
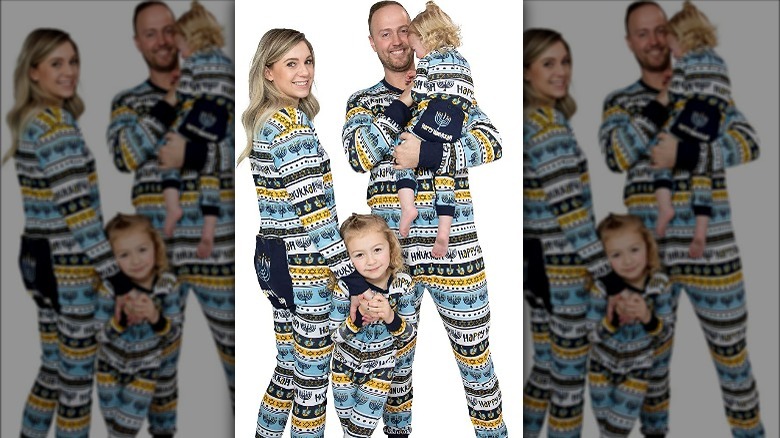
(558,219)
(64,250)
(298,241)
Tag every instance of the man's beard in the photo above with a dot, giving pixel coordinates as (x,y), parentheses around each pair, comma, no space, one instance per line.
(155,66)
(657,68)
(386,63)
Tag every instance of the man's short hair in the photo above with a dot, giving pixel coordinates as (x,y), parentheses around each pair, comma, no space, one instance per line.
(379,5)
(636,5)
(140,7)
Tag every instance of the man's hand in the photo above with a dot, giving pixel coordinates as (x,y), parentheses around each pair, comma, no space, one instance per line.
(407,152)
(171,155)
(664,154)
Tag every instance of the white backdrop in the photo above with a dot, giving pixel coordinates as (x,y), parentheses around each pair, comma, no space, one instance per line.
(109,63)
(345,63)
(602,63)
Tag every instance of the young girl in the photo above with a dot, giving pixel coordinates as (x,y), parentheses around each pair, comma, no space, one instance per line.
(205,96)
(699,93)
(623,345)
(299,236)
(441,96)
(137,327)
(366,352)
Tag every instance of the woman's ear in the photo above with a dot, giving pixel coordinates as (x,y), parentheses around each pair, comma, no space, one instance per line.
(268,74)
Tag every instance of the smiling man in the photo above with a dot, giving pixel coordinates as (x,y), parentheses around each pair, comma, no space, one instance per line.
(143,119)
(633,117)
(375,121)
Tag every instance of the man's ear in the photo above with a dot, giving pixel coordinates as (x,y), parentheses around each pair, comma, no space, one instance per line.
(371,41)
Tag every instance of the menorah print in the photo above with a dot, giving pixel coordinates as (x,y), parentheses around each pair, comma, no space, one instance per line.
(442,119)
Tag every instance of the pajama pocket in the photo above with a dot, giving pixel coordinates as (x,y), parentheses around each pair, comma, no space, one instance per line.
(273,272)
(37,269)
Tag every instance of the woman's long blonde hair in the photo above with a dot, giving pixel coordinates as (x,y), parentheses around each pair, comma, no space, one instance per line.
(264,98)
(29,98)
(535,42)
(199,28)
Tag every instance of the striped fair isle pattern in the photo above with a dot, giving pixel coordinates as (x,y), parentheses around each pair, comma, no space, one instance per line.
(714,282)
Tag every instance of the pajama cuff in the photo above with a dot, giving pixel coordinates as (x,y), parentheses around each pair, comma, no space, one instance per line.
(656,113)
(612,283)
(195,154)
(653,325)
(396,324)
(171,183)
(398,112)
(431,155)
(355,283)
(120,283)
(163,112)
(161,325)
(702,210)
(687,155)
(358,322)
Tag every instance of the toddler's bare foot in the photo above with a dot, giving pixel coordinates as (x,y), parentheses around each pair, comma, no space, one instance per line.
(172,216)
(408,215)
(665,215)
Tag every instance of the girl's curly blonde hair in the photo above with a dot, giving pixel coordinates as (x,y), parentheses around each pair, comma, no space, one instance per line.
(692,28)
(435,28)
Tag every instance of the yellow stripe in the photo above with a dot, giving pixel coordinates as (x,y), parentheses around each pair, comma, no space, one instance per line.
(745,424)
(314,217)
(308,424)
(573,217)
(462,194)
(565,424)
(400,408)
(453,282)
(77,424)
(730,361)
(709,282)
(488,424)
(30,192)
(661,407)
(533,403)
(276,403)
(313,353)
(473,361)
(80,217)
(168,407)
(570,353)
(41,403)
